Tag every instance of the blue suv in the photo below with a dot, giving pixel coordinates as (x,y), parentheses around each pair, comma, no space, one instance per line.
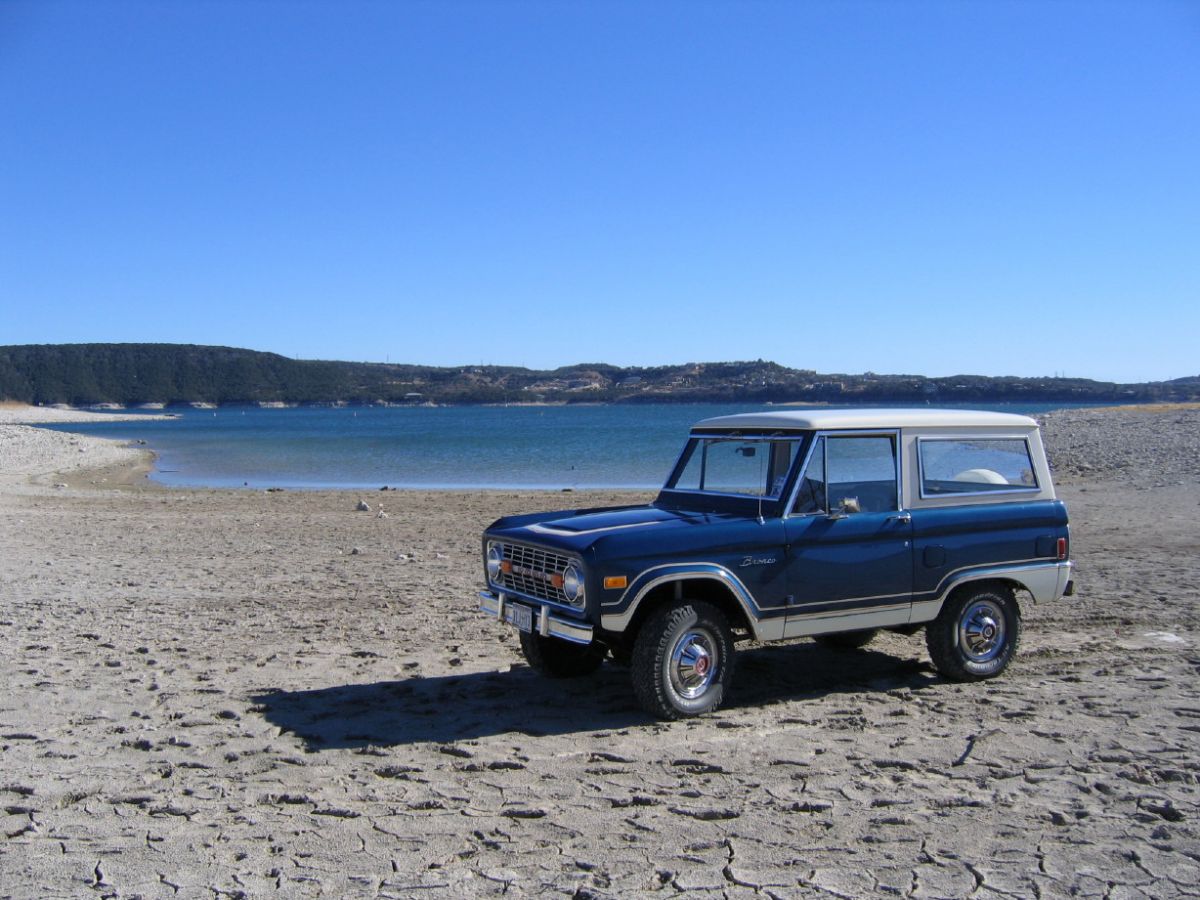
(830,524)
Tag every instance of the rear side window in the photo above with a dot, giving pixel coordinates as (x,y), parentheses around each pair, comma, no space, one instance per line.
(957,466)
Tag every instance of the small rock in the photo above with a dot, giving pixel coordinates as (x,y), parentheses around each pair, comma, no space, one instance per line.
(363,506)
(1166,810)
(523,813)
(357,551)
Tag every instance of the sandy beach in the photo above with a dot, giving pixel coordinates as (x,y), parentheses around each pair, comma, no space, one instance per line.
(242,694)
(35,455)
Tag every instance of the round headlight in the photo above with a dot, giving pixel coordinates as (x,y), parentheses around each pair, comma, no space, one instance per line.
(573,583)
(494,557)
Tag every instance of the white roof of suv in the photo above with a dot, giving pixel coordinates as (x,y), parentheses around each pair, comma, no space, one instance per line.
(828,418)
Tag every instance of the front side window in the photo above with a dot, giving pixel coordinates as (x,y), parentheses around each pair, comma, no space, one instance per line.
(853,473)
(959,466)
(752,468)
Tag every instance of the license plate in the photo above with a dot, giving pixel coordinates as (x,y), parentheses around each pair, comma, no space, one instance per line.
(519,616)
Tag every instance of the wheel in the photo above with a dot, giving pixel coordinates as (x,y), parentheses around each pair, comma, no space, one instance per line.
(846,640)
(560,659)
(683,660)
(976,634)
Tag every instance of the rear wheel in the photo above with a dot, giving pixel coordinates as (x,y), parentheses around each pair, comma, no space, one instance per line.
(846,640)
(683,660)
(976,634)
(560,659)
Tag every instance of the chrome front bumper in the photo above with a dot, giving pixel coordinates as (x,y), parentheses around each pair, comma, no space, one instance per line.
(544,622)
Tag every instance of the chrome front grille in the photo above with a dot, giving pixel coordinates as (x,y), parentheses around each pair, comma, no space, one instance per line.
(533,571)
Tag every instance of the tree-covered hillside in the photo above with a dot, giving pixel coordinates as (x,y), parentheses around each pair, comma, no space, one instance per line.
(133,374)
(82,374)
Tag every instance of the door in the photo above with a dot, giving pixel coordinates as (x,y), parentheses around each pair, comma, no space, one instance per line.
(849,544)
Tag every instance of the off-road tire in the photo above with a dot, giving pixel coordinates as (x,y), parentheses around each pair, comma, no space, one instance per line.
(976,634)
(682,662)
(846,640)
(556,658)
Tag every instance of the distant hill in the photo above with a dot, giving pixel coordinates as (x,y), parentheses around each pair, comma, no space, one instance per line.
(134,374)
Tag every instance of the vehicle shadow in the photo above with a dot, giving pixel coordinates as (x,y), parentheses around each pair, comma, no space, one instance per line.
(449,708)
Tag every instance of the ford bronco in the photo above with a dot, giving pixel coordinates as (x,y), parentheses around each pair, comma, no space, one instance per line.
(830,524)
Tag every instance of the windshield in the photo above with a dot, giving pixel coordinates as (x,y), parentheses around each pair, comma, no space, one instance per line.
(735,465)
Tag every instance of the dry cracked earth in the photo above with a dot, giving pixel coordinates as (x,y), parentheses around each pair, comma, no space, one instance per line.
(237,694)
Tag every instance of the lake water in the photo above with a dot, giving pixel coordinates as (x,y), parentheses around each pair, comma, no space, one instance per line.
(550,447)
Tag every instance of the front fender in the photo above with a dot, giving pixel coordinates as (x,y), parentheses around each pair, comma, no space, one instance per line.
(616,615)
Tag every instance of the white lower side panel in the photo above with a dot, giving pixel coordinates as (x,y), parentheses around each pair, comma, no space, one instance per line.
(1045,583)
(803,626)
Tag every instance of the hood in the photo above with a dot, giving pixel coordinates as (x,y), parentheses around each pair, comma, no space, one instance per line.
(578,529)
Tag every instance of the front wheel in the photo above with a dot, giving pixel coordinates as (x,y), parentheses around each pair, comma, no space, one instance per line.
(976,634)
(683,660)
(560,659)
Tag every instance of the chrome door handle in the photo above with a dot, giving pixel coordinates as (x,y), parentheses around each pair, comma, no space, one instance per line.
(904,518)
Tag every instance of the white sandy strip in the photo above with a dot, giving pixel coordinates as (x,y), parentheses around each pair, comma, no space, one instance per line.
(18,414)
(27,452)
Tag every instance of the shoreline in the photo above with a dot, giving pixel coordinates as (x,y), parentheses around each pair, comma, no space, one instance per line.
(116,412)
(30,455)
(33,455)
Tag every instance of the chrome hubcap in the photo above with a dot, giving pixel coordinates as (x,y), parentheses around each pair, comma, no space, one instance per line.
(694,662)
(981,631)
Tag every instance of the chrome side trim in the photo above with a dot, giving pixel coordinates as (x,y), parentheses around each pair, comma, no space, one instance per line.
(804,626)
(547,625)
(888,610)
(1045,580)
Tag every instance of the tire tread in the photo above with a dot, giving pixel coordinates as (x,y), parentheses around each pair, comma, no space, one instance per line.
(941,635)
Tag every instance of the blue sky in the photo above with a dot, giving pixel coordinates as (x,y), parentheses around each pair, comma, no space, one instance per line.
(925,187)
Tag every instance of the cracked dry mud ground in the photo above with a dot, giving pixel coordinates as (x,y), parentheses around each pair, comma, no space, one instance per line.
(209,694)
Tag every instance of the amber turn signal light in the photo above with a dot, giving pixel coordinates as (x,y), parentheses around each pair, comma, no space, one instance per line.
(615,582)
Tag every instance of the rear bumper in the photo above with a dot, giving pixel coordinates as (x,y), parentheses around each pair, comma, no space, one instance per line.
(1065,587)
(545,622)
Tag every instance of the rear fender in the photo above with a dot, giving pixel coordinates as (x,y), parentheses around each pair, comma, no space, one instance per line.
(1044,581)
